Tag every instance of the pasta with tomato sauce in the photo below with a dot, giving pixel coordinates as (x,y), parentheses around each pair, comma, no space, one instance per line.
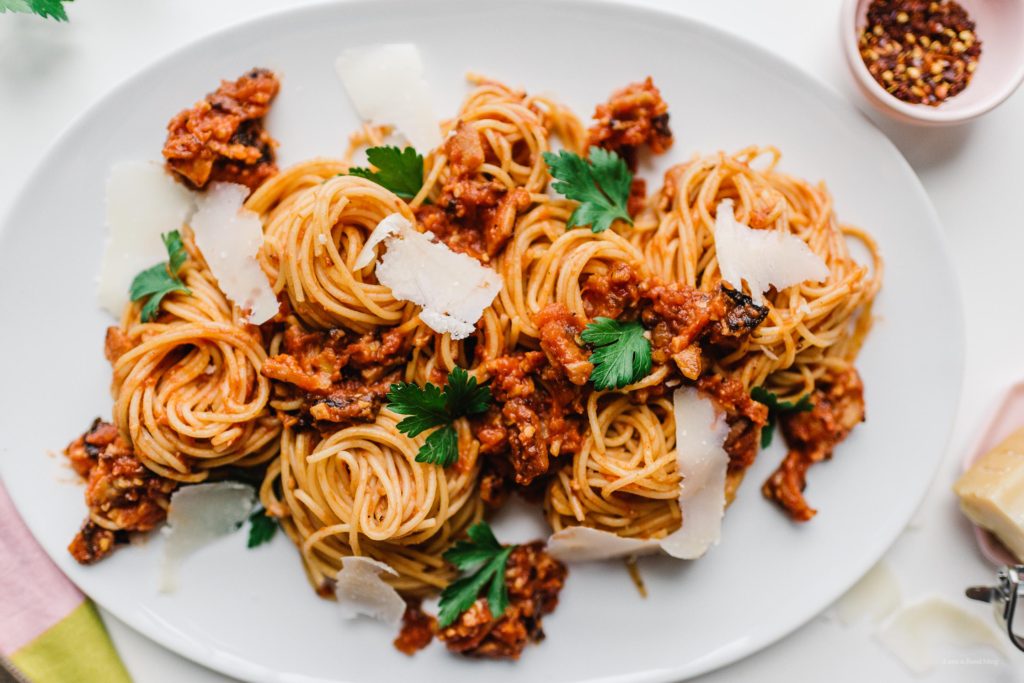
(375,434)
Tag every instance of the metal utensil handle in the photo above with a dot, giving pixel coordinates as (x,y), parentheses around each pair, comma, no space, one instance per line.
(1004,598)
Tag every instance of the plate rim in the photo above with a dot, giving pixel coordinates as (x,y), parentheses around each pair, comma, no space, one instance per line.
(234,666)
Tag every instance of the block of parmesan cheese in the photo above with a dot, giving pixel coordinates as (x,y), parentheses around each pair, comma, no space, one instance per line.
(992,492)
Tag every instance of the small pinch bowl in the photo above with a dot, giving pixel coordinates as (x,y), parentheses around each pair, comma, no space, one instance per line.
(999,27)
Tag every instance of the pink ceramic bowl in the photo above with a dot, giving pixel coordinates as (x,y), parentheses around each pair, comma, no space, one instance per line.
(999,26)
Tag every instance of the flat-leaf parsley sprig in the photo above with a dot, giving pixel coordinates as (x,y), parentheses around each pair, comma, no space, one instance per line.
(398,170)
(162,279)
(776,408)
(622,354)
(430,406)
(53,9)
(601,185)
(483,552)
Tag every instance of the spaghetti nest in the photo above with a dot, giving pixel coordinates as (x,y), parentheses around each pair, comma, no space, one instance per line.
(187,388)
(360,491)
(604,459)
(193,388)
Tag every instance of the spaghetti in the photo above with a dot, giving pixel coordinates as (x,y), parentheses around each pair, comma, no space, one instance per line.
(303,397)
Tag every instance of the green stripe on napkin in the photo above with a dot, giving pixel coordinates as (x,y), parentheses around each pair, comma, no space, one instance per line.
(76,649)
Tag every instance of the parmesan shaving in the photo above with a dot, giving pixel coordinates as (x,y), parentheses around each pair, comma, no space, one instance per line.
(143,202)
(361,591)
(762,258)
(198,515)
(229,237)
(875,596)
(386,86)
(453,289)
(391,225)
(700,433)
(919,634)
(583,544)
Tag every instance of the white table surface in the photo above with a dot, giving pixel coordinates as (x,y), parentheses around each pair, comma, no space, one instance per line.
(50,72)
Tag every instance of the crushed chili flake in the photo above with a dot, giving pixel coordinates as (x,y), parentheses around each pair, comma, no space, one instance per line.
(921,51)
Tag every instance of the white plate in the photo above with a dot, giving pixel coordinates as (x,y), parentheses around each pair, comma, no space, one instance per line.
(250,613)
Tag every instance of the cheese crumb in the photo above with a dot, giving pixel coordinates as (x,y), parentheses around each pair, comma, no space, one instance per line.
(762,258)
(229,238)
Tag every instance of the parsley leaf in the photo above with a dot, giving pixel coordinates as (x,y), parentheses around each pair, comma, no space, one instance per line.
(601,185)
(425,407)
(400,171)
(162,279)
(775,408)
(441,447)
(622,355)
(482,551)
(463,396)
(45,8)
(262,528)
(429,407)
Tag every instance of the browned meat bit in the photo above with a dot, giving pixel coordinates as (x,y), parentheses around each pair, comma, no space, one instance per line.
(222,137)
(637,197)
(475,214)
(418,629)
(534,581)
(116,344)
(340,380)
(119,490)
(812,436)
(353,400)
(559,338)
(742,316)
(92,542)
(536,414)
(745,416)
(684,322)
(610,294)
(633,116)
(502,220)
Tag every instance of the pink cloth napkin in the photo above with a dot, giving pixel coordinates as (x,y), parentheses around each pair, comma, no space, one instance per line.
(49,631)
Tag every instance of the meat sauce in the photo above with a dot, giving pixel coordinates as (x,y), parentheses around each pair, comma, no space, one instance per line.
(633,117)
(534,580)
(340,378)
(222,137)
(838,407)
(119,489)
(474,215)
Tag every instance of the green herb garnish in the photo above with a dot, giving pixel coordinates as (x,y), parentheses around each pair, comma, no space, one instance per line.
(162,279)
(622,354)
(601,185)
(262,528)
(482,551)
(429,407)
(400,171)
(776,408)
(48,9)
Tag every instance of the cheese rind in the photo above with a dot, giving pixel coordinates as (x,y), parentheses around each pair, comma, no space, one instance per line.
(991,492)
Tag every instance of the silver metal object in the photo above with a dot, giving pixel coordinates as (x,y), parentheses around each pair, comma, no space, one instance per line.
(1004,598)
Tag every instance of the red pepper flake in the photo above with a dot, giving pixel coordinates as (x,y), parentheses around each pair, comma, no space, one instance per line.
(921,51)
